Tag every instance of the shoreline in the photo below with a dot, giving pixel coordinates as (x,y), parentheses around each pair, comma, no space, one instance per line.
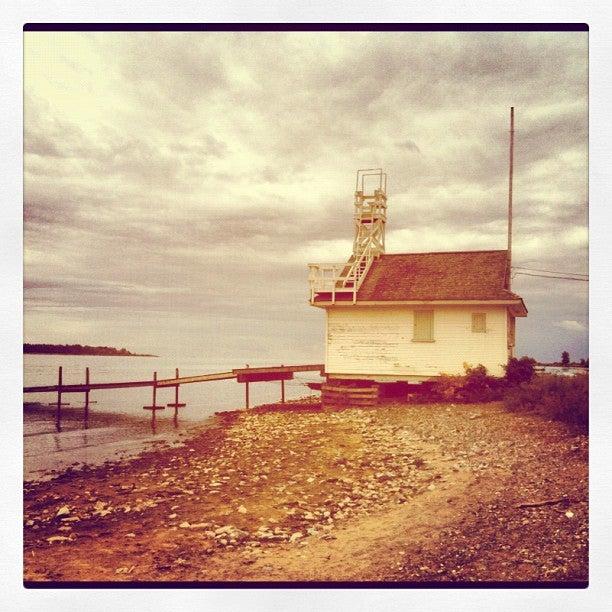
(111,438)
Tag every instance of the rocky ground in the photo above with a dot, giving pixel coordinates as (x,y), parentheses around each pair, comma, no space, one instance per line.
(394,493)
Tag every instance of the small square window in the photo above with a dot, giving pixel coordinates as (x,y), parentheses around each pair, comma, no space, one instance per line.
(479,322)
(423,326)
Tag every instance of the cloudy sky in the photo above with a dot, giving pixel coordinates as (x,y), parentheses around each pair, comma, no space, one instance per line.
(177,184)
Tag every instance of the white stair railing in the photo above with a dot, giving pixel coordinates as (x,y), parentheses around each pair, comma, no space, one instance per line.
(328,278)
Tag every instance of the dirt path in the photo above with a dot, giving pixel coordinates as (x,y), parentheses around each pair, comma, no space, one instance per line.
(355,552)
(398,493)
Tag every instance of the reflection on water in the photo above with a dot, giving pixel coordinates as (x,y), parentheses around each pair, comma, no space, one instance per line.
(48,452)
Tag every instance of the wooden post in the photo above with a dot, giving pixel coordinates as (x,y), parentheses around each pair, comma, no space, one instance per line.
(246,387)
(510,175)
(154,398)
(282,388)
(176,404)
(153,404)
(176,398)
(87,398)
(154,407)
(58,411)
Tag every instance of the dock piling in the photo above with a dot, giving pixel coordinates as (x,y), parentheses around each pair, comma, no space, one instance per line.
(176,404)
(154,407)
(282,388)
(58,411)
(86,413)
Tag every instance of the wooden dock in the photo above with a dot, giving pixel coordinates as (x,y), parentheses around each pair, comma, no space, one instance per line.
(242,375)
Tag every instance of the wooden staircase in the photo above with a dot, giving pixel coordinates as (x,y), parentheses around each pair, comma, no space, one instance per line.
(346,394)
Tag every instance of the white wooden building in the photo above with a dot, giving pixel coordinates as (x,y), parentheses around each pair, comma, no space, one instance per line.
(412,316)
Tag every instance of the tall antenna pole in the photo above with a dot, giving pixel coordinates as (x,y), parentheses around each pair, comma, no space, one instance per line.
(510,195)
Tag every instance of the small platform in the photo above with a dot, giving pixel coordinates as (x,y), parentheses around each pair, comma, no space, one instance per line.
(282,372)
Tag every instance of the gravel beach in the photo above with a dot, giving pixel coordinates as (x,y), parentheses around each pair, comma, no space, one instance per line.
(398,493)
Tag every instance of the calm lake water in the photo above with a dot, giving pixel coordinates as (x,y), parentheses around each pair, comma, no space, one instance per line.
(202,399)
(561,371)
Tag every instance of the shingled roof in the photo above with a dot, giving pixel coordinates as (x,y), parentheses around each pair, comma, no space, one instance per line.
(461,275)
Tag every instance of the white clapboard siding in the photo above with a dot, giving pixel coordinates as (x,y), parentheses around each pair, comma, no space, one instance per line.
(372,340)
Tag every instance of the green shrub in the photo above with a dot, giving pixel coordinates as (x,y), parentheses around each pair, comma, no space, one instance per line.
(479,386)
(519,370)
(475,386)
(561,398)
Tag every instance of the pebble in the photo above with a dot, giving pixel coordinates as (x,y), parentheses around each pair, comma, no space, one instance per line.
(328,536)
(57,539)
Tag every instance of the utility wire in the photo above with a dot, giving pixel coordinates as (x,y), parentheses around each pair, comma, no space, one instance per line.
(550,271)
(586,280)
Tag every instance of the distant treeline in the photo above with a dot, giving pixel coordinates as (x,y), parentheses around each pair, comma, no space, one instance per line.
(583,363)
(79,349)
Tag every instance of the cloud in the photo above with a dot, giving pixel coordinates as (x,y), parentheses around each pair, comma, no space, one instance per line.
(573,326)
(195,175)
(409,145)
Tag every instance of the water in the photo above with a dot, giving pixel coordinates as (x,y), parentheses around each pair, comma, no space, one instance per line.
(202,399)
(561,371)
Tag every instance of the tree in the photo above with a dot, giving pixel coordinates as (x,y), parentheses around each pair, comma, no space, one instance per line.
(565,360)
